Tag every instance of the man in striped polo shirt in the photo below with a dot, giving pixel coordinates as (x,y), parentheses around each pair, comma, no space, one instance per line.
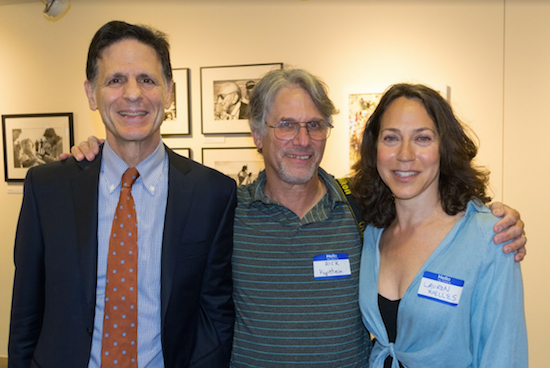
(296,244)
(292,213)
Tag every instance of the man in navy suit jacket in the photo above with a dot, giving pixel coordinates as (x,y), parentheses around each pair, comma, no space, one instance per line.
(59,286)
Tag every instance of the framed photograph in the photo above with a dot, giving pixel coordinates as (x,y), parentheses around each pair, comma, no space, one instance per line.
(177,119)
(185,152)
(242,164)
(34,139)
(225,92)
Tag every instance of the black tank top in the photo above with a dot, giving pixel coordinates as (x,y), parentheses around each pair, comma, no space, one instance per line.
(388,310)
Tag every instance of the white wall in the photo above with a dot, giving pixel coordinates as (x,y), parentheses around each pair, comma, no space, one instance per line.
(355,46)
(527,155)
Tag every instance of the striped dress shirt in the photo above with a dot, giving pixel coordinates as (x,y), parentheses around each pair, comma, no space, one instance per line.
(150,192)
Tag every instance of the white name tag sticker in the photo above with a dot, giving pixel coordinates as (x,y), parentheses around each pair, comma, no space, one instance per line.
(441,288)
(331,266)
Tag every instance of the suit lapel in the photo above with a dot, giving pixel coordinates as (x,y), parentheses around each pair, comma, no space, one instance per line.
(85,198)
(178,206)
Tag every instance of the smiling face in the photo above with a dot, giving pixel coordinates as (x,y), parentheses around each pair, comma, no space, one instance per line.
(408,151)
(294,161)
(130,94)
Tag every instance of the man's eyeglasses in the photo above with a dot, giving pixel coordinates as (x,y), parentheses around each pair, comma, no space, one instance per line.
(222,96)
(318,130)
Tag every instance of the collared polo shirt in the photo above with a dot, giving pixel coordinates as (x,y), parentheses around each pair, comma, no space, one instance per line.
(285,317)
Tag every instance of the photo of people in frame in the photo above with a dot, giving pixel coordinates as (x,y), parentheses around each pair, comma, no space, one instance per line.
(231,98)
(243,172)
(34,139)
(33,147)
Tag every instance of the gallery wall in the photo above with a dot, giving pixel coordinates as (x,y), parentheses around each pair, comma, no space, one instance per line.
(488,52)
(526,156)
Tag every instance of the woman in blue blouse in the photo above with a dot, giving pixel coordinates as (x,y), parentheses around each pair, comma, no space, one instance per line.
(435,290)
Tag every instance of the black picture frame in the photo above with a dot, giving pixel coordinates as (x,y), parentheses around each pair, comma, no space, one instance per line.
(184,151)
(177,118)
(216,119)
(34,139)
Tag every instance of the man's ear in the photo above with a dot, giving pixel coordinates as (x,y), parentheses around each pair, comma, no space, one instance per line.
(258,141)
(169,94)
(235,99)
(90,93)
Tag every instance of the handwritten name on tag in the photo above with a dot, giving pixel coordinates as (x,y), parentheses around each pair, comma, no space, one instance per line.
(331,266)
(441,288)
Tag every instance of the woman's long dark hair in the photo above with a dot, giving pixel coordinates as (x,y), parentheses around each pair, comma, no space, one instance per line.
(459,180)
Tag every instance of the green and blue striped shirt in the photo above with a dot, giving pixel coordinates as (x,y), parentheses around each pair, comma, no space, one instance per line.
(285,317)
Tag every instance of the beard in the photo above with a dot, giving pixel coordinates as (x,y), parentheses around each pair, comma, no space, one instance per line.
(292,175)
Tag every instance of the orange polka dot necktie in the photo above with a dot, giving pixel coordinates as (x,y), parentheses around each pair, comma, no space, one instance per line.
(119,343)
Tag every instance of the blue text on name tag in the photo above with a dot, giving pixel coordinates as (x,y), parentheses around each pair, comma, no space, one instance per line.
(330,266)
(441,288)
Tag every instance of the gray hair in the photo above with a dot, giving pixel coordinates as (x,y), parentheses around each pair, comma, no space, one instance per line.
(270,85)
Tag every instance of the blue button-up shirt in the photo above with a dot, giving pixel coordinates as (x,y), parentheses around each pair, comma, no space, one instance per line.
(150,192)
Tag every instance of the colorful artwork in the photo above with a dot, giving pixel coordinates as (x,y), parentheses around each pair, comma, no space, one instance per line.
(361,106)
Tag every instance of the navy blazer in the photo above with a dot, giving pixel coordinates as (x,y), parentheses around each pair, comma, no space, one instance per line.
(53,303)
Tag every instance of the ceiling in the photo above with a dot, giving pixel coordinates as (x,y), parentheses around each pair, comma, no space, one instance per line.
(8,2)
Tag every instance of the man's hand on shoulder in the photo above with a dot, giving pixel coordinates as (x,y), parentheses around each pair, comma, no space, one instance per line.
(510,227)
(87,149)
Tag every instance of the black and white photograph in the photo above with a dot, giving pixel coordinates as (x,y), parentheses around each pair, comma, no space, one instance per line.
(231,98)
(243,164)
(225,93)
(34,139)
(177,119)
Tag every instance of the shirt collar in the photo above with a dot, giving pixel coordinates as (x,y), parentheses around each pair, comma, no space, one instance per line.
(150,169)
(236,109)
(334,193)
